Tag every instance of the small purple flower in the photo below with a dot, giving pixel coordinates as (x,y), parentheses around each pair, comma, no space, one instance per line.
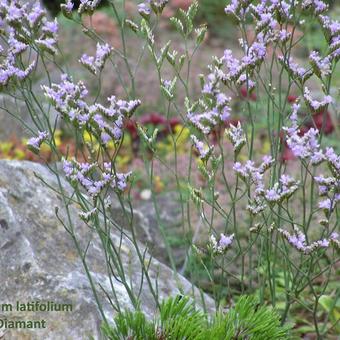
(222,245)
(88,5)
(225,241)
(120,181)
(298,241)
(34,143)
(35,15)
(324,243)
(144,9)
(95,64)
(204,121)
(314,104)
(15,46)
(317,6)
(322,66)
(334,236)
(236,136)
(69,6)
(326,204)
(272,195)
(304,146)
(81,173)
(50,27)
(332,27)
(294,69)
(68,168)
(102,53)
(284,35)
(88,62)
(14,13)
(47,44)
(203,151)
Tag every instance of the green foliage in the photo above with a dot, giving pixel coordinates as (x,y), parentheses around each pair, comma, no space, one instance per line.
(331,305)
(248,320)
(130,325)
(212,13)
(179,319)
(184,24)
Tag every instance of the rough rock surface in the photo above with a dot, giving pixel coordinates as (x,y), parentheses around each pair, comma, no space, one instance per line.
(148,229)
(39,261)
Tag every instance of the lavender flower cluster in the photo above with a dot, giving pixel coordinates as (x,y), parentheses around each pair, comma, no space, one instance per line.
(269,18)
(303,146)
(34,143)
(87,6)
(221,246)
(321,66)
(106,123)
(282,189)
(230,71)
(216,107)
(96,63)
(204,151)
(236,137)
(93,178)
(157,6)
(307,147)
(253,175)
(298,241)
(23,26)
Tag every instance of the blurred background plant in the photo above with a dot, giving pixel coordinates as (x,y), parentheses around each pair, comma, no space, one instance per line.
(212,13)
(169,163)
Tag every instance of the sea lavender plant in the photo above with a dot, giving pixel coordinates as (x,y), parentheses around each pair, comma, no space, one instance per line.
(277,224)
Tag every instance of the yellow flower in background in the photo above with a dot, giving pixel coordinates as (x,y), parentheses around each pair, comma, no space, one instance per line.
(19,154)
(123,160)
(182,134)
(158,184)
(164,147)
(96,146)
(45,147)
(111,145)
(5,147)
(88,138)
(127,141)
(57,137)
(179,139)
(199,162)
(265,150)
(91,140)
(242,157)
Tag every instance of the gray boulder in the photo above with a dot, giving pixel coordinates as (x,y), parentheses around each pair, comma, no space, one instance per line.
(147,226)
(39,261)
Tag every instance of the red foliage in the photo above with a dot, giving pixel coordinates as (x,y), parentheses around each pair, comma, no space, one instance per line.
(246,94)
(153,119)
(291,99)
(131,126)
(219,130)
(322,121)
(287,154)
